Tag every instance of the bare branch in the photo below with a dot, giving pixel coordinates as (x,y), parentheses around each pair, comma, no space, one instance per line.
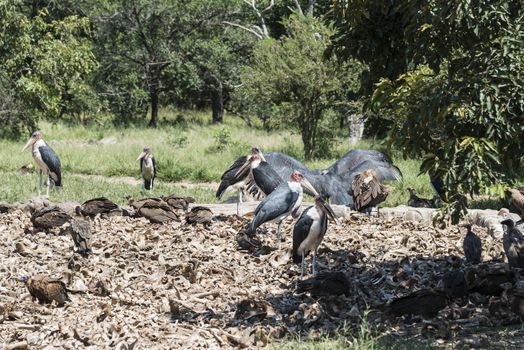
(299,8)
(271,4)
(259,34)
(310,7)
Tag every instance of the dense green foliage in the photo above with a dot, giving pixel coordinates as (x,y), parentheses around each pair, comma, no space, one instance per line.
(453,90)
(290,79)
(45,69)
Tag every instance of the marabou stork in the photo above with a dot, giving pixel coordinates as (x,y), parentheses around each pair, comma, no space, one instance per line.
(264,176)
(147,169)
(232,180)
(310,230)
(284,200)
(354,158)
(472,246)
(47,161)
(513,243)
(329,185)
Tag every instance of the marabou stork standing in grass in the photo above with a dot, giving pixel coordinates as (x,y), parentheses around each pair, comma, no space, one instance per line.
(310,230)
(233,180)
(147,168)
(284,200)
(47,161)
(265,178)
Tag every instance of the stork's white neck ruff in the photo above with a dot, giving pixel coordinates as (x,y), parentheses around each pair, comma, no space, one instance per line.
(255,163)
(295,186)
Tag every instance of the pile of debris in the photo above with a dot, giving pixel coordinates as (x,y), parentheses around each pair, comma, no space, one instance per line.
(187,283)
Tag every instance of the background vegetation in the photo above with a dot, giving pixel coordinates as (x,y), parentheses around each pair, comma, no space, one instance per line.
(440,82)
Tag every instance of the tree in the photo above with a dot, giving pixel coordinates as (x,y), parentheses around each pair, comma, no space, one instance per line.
(463,111)
(290,79)
(46,65)
(147,50)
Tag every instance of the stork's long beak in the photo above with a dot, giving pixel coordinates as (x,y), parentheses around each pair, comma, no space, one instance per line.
(244,168)
(142,155)
(27,144)
(308,186)
(329,211)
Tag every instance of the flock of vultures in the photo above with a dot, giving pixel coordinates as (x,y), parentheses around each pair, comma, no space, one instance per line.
(356,181)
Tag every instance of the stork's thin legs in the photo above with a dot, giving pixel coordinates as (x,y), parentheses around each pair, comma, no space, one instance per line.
(313,263)
(302,268)
(279,237)
(48,185)
(239,202)
(40,184)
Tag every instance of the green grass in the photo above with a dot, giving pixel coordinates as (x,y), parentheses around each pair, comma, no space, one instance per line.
(365,338)
(187,148)
(19,188)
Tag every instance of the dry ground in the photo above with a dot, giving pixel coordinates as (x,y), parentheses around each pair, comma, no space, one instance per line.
(176,286)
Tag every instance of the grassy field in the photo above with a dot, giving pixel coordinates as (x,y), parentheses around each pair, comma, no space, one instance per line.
(187,148)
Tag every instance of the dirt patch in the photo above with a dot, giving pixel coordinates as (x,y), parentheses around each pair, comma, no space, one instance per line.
(134,181)
(179,286)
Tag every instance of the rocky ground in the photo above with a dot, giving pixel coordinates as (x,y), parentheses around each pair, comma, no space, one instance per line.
(178,286)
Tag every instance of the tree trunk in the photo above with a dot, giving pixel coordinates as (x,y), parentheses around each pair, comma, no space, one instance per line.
(153,94)
(217,103)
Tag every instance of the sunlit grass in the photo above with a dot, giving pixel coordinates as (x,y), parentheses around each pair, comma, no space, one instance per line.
(78,188)
(187,147)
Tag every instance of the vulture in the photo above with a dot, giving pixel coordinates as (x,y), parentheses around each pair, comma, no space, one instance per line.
(418,202)
(426,302)
(96,206)
(513,243)
(154,209)
(199,214)
(49,217)
(326,284)
(472,246)
(178,202)
(517,199)
(80,231)
(454,283)
(46,289)
(367,190)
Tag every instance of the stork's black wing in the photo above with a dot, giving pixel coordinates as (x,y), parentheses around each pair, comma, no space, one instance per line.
(53,163)
(229,178)
(154,167)
(280,201)
(266,178)
(354,158)
(300,232)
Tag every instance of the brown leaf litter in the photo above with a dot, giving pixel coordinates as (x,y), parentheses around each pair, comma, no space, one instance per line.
(176,285)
